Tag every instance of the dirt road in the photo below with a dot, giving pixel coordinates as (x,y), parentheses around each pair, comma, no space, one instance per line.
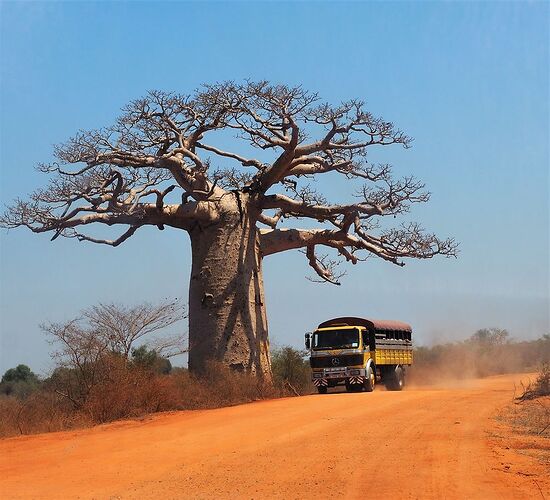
(419,443)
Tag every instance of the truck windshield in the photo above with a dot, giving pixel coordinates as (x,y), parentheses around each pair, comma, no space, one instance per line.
(336,339)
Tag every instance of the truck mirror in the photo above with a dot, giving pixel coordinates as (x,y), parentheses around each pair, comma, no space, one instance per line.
(308,340)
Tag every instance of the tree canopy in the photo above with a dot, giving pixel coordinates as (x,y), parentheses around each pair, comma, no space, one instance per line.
(21,373)
(164,163)
(19,381)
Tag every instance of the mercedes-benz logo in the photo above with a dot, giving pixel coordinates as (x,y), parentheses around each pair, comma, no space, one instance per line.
(335,361)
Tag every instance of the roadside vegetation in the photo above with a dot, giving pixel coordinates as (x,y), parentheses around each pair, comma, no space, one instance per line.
(528,417)
(114,388)
(531,414)
(113,362)
(539,388)
(121,389)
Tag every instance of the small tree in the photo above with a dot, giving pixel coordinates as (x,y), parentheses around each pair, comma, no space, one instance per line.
(103,338)
(150,360)
(163,163)
(121,327)
(19,381)
(290,367)
(490,336)
(21,373)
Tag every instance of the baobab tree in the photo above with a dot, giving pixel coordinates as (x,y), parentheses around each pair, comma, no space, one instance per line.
(228,164)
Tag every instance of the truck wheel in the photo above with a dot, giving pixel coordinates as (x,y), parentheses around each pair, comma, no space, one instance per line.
(396,380)
(369,380)
(401,381)
(322,389)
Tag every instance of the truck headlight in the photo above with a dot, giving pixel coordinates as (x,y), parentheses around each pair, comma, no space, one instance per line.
(317,375)
(354,372)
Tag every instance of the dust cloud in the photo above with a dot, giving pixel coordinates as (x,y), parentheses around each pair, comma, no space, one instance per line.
(488,353)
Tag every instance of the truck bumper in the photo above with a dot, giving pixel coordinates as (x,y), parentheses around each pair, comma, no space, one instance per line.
(332,377)
(325,382)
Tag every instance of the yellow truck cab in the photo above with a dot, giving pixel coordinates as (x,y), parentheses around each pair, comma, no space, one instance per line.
(359,352)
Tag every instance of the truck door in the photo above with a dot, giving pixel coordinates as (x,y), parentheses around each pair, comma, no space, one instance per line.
(365,339)
(372,340)
(368,340)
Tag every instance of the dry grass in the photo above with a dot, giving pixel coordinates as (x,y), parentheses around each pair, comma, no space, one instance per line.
(129,392)
(523,426)
(525,422)
(109,387)
(40,412)
(531,417)
(531,412)
(539,388)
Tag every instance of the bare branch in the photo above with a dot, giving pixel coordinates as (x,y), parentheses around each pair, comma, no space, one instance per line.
(270,221)
(122,326)
(169,346)
(245,162)
(320,212)
(393,245)
(324,268)
(114,243)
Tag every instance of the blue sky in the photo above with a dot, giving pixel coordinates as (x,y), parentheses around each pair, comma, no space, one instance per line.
(468,80)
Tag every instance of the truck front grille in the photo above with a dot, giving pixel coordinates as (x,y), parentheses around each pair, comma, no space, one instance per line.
(336,361)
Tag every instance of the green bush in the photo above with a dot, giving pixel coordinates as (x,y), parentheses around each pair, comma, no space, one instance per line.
(290,368)
(149,359)
(19,382)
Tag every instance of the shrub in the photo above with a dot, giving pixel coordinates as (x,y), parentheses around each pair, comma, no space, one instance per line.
(42,411)
(151,360)
(19,382)
(291,369)
(124,389)
(541,386)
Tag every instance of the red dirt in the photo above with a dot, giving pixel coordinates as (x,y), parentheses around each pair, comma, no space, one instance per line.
(419,443)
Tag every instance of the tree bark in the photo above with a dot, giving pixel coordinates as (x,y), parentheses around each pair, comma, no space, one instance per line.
(227,313)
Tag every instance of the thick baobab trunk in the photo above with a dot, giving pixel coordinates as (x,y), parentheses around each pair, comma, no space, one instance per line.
(227,315)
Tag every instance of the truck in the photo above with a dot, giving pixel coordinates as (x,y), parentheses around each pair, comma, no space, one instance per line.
(359,353)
